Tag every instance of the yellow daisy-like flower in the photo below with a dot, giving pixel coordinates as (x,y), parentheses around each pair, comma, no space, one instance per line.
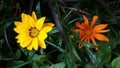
(89,32)
(32,32)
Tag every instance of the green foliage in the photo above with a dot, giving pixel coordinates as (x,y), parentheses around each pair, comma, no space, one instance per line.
(62,51)
(116,63)
(58,65)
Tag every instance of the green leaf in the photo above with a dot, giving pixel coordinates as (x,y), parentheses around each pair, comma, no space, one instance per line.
(18,64)
(18,54)
(23,64)
(89,65)
(15,63)
(54,30)
(38,11)
(94,59)
(55,46)
(74,50)
(69,60)
(86,44)
(35,65)
(116,62)
(104,52)
(45,66)
(58,65)
(61,57)
(39,58)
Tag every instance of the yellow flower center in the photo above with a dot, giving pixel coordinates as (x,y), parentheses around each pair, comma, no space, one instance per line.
(33,32)
(88,32)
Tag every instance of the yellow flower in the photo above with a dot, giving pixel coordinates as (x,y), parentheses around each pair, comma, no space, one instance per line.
(32,32)
(89,32)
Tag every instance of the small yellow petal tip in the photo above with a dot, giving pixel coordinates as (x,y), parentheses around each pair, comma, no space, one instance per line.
(44,47)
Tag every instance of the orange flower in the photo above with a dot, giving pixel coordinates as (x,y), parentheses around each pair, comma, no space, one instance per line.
(89,32)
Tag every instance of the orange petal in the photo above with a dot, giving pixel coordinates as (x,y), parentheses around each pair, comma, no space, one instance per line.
(79,25)
(88,39)
(93,40)
(82,33)
(72,36)
(96,49)
(86,21)
(76,30)
(80,45)
(101,37)
(95,18)
(84,26)
(99,27)
(83,38)
(103,31)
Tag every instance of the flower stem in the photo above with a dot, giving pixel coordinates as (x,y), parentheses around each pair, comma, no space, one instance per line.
(6,39)
(58,24)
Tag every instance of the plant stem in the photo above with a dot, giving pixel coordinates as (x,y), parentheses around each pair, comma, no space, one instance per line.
(58,24)
(6,39)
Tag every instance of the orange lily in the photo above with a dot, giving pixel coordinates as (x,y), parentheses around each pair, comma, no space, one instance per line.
(89,32)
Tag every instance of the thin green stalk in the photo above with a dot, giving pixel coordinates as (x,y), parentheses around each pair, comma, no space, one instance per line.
(21,65)
(6,39)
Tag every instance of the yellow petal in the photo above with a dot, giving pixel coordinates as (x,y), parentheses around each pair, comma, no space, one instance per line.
(17,23)
(20,30)
(25,43)
(99,27)
(39,23)
(42,35)
(23,16)
(19,37)
(16,30)
(31,21)
(101,37)
(34,43)
(47,27)
(25,20)
(29,47)
(22,35)
(42,43)
(34,16)
(95,18)
(48,24)
(22,40)
(21,27)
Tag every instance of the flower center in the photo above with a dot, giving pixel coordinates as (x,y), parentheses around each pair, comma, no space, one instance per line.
(88,32)
(33,32)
